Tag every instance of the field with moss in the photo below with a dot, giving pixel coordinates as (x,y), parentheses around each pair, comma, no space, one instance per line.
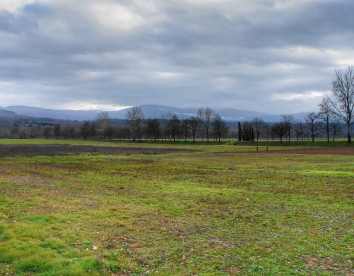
(216,210)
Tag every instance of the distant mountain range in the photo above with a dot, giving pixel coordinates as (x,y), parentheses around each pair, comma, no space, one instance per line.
(150,111)
(7,117)
(7,114)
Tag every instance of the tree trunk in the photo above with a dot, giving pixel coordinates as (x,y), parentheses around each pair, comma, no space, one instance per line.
(327,129)
(349,134)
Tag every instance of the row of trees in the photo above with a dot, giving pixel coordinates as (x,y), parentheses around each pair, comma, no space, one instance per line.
(335,113)
(205,123)
(172,129)
(289,128)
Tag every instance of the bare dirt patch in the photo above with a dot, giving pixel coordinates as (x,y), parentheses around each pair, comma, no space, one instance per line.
(65,149)
(330,265)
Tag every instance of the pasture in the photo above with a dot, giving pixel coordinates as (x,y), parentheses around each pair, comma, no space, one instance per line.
(165,209)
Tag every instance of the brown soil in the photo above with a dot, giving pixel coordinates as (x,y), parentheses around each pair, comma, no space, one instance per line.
(64,149)
(331,266)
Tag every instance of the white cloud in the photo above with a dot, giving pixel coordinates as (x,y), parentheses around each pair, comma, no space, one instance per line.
(112,17)
(168,75)
(261,54)
(292,4)
(77,105)
(14,5)
(306,96)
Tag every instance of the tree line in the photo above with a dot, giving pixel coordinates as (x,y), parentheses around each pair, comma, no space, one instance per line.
(335,115)
(206,125)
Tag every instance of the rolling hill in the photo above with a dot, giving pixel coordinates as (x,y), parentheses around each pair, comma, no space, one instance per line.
(150,111)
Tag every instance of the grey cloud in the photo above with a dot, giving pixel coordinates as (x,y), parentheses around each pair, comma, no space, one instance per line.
(192,55)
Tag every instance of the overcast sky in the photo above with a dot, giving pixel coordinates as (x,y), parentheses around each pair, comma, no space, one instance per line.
(275,56)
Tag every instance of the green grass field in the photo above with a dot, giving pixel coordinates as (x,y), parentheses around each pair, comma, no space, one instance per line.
(222,210)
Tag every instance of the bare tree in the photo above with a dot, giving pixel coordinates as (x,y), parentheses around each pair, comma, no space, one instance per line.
(343,102)
(205,115)
(311,120)
(103,122)
(15,131)
(299,130)
(279,130)
(219,127)
(245,131)
(258,125)
(108,132)
(173,127)
(122,132)
(335,126)
(92,130)
(57,131)
(85,128)
(267,130)
(135,117)
(325,114)
(47,132)
(153,129)
(194,124)
(288,122)
(68,132)
(185,125)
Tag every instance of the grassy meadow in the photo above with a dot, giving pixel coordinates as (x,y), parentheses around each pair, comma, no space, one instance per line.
(220,210)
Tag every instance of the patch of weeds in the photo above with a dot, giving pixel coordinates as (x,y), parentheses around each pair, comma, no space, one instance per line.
(52,244)
(7,255)
(35,264)
(40,219)
(3,235)
(113,268)
(90,264)
(28,231)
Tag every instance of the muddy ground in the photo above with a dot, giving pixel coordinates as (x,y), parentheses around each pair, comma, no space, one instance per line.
(65,149)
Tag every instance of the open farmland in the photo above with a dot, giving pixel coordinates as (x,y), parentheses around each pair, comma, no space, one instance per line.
(216,210)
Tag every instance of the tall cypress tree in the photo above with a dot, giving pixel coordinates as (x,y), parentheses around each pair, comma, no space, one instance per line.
(239,131)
